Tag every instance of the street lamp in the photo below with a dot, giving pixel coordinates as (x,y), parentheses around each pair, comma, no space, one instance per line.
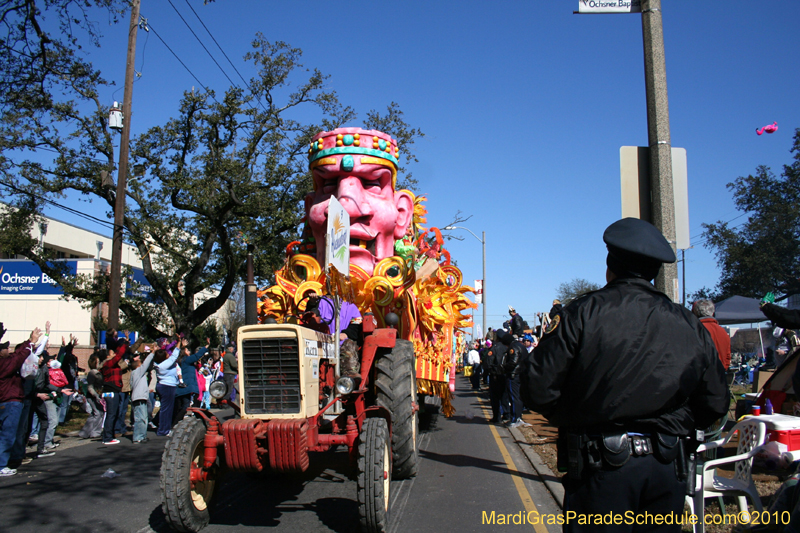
(483,294)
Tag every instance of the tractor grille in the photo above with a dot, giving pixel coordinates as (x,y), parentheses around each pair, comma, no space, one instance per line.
(271,376)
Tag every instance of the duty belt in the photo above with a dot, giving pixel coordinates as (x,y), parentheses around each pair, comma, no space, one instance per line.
(605,450)
(640,444)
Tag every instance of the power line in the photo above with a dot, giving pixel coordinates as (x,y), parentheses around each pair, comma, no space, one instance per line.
(700,243)
(65,208)
(728,222)
(220,49)
(182,63)
(201,43)
(215,42)
(53,150)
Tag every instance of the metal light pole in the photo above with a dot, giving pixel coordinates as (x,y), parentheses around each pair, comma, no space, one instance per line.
(483,295)
(250,291)
(119,204)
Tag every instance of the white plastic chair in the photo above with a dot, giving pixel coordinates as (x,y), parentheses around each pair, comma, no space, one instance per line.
(752,436)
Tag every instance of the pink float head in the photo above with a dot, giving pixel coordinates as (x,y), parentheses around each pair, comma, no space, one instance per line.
(359,168)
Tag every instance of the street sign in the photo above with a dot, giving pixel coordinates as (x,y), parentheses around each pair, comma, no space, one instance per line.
(609,6)
(337,242)
(634,164)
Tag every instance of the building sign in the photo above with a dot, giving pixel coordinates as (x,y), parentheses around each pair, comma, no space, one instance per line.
(337,245)
(137,286)
(609,6)
(25,277)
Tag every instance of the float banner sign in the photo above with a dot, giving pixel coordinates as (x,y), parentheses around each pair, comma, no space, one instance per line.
(337,240)
(25,277)
(137,286)
(478,291)
(609,6)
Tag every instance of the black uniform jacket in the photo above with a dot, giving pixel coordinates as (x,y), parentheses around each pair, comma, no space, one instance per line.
(625,356)
(496,356)
(780,316)
(517,325)
(514,358)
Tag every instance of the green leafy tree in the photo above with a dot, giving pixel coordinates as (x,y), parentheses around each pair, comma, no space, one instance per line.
(208,330)
(225,174)
(763,254)
(570,290)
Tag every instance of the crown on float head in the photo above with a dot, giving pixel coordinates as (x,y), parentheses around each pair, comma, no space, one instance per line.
(374,146)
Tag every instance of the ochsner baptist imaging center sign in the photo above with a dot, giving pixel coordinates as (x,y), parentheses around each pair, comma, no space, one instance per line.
(609,6)
(25,277)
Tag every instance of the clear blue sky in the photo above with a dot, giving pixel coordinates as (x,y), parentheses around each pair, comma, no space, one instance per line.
(524,107)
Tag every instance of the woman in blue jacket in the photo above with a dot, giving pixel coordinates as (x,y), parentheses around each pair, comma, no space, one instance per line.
(167,372)
(183,395)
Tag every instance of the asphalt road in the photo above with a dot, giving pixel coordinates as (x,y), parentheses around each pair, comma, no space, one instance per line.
(468,469)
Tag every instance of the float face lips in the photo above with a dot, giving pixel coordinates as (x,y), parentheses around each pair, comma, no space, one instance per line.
(362,244)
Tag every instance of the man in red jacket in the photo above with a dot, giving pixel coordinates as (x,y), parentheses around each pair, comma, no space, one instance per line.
(11,395)
(704,310)
(112,384)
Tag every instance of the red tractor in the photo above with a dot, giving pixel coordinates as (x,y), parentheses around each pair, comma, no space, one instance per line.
(291,402)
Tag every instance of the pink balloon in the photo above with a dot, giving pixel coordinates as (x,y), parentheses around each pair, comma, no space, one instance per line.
(772,128)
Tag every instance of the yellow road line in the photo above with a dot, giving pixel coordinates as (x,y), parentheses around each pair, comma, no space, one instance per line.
(524,495)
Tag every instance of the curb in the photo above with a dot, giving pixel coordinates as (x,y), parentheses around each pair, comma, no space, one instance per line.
(555,487)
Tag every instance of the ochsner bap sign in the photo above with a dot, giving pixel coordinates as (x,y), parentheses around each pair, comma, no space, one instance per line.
(609,6)
(25,277)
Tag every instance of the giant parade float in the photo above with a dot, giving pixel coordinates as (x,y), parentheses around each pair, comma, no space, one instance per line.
(396,264)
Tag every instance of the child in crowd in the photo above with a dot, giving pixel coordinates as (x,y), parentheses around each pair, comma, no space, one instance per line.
(140,392)
(203,384)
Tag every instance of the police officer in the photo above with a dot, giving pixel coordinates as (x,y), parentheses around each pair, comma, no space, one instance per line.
(515,356)
(497,380)
(623,373)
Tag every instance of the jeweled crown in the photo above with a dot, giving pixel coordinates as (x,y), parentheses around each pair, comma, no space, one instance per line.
(354,141)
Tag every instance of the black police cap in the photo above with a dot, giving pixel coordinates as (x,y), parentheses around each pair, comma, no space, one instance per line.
(636,249)
(635,237)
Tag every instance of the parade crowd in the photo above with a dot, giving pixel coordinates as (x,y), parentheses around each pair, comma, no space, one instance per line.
(496,361)
(159,382)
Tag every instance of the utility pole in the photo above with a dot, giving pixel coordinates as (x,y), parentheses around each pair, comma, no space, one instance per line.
(483,295)
(655,77)
(122,178)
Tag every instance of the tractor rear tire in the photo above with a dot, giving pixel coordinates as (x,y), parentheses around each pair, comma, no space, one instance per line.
(374,473)
(396,385)
(184,506)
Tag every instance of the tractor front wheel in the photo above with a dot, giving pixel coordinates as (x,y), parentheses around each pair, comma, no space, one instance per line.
(374,473)
(185,501)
